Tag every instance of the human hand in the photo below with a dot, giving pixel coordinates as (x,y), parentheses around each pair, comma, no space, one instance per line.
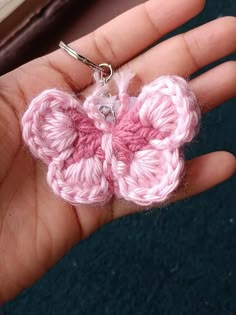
(36,227)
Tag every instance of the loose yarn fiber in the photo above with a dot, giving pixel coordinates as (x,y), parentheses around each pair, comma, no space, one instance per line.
(136,156)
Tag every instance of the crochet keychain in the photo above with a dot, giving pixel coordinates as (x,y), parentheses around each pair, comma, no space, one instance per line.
(113,145)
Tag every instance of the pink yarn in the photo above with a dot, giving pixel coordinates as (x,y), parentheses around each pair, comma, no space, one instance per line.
(91,158)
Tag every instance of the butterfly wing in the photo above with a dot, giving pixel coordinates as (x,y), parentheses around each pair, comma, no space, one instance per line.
(148,141)
(58,131)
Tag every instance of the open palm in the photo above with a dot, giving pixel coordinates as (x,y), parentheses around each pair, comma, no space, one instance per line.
(36,227)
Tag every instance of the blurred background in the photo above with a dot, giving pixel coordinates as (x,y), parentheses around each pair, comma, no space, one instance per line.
(177,260)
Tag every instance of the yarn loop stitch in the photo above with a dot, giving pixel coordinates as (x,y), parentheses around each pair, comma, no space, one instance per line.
(137,157)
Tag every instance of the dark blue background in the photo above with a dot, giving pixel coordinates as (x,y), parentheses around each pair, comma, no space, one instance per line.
(176,260)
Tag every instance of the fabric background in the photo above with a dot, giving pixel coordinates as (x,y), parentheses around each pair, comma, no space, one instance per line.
(172,261)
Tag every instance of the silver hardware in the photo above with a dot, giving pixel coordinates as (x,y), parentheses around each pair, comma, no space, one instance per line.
(105,69)
(106,73)
(106,111)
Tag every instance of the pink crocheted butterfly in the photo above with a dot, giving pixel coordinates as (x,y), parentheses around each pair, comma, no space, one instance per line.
(134,154)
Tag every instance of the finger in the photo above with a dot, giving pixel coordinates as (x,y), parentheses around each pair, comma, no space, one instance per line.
(202,173)
(186,53)
(215,86)
(124,37)
(205,172)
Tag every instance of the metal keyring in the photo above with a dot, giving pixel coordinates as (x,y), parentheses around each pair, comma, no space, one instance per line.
(105,69)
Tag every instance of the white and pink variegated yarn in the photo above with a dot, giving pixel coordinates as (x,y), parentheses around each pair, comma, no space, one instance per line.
(136,156)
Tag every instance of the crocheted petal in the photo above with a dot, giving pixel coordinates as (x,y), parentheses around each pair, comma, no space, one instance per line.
(168,105)
(49,125)
(151,177)
(80,183)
